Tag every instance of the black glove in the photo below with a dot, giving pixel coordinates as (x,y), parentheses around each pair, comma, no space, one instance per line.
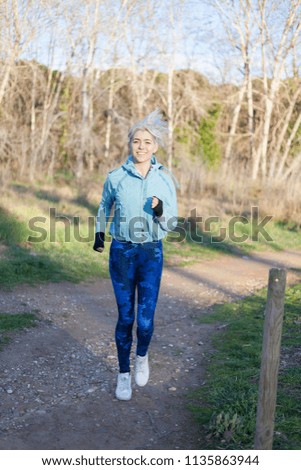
(158,209)
(99,241)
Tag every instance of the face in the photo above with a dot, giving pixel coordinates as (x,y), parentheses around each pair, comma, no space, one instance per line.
(143,146)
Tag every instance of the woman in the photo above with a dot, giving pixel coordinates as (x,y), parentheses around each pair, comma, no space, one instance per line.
(145,209)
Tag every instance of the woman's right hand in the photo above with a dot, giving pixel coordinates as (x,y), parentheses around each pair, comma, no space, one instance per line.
(99,242)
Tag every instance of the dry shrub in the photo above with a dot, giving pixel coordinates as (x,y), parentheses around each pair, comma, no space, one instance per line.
(212,193)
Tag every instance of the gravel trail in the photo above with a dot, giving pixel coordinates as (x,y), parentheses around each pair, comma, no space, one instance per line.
(57,380)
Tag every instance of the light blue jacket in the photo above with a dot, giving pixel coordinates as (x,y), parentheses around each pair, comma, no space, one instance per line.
(131,195)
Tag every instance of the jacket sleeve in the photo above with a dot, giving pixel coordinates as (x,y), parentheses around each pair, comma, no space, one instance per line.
(168,220)
(105,206)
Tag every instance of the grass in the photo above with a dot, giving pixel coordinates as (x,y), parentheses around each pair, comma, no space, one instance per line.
(12,322)
(210,245)
(227,402)
(34,249)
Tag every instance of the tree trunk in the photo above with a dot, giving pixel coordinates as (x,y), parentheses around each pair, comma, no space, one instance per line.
(288,147)
(170,118)
(250,112)
(86,91)
(109,116)
(295,165)
(234,122)
(284,128)
(33,150)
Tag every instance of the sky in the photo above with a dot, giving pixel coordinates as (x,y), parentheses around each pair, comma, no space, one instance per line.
(181,33)
(189,44)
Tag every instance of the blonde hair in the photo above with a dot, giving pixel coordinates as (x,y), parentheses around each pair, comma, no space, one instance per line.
(154,124)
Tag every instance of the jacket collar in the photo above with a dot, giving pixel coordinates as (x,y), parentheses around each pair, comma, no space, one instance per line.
(129,165)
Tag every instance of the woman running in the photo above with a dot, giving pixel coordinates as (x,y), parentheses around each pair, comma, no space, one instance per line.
(145,210)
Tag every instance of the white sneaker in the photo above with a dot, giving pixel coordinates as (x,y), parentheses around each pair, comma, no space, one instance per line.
(124,389)
(141,370)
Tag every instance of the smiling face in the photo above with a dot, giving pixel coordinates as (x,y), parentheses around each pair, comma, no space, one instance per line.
(143,146)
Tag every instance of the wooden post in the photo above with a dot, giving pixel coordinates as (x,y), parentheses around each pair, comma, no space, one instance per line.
(270,360)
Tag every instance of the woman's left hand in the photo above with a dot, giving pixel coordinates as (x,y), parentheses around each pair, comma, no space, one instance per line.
(157,206)
(155,202)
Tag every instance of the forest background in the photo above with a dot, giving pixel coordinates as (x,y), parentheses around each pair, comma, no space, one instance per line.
(75,75)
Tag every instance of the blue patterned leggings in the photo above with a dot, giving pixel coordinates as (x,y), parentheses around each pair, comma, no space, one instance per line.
(135,265)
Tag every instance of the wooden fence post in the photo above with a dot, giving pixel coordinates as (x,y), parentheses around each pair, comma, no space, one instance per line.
(270,360)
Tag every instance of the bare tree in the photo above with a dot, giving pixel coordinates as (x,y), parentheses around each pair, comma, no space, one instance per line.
(281,50)
(169,49)
(270,30)
(20,22)
(52,80)
(17,30)
(238,20)
(280,146)
(117,37)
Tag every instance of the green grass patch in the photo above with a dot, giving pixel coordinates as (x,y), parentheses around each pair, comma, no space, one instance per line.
(33,250)
(226,404)
(12,230)
(12,322)
(193,242)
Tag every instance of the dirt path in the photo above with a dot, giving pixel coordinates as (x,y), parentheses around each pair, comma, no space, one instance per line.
(57,380)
